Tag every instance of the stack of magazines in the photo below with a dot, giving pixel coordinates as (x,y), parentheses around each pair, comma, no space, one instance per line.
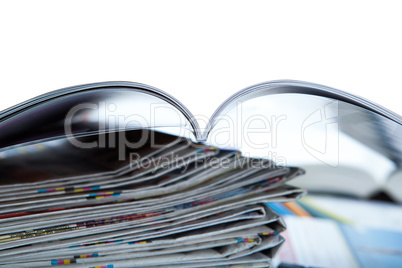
(169,202)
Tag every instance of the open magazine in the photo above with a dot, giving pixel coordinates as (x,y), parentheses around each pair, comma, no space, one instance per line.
(120,174)
(321,129)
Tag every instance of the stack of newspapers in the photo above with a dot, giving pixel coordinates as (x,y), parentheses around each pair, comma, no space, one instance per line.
(166,202)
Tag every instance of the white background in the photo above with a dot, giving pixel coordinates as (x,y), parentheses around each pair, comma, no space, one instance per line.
(201,52)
